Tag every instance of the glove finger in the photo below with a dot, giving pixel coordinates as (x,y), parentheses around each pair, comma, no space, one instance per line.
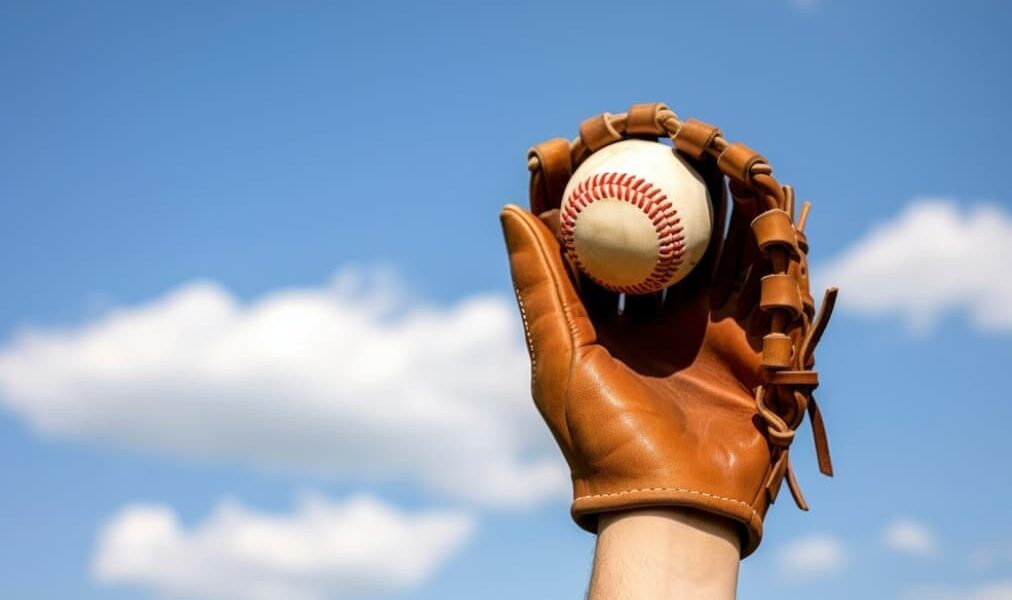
(549,180)
(736,277)
(552,311)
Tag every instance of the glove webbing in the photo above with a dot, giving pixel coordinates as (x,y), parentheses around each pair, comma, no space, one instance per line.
(794,326)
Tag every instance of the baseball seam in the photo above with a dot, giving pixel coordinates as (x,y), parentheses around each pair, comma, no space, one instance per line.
(643,195)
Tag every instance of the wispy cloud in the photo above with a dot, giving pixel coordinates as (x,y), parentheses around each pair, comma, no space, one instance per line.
(907,536)
(347,379)
(990,555)
(995,590)
(812,557)
(320,550)
(934,258)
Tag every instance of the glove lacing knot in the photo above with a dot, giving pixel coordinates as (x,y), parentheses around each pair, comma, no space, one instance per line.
(795,389)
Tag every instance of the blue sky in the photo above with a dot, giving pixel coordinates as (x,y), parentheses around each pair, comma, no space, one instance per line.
(223,220)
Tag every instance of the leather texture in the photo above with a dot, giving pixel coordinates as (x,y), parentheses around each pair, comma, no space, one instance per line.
(689,397)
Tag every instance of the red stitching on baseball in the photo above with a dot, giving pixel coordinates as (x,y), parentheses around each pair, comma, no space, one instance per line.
(642,194)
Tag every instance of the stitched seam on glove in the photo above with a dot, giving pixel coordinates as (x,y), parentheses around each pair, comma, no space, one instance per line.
(662,489)
(527,334)
(543,255)
(557,297)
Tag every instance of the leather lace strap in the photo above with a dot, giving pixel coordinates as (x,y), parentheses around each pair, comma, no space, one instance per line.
(795,327)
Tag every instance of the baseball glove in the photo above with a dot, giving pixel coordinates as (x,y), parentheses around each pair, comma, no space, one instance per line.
(688,397)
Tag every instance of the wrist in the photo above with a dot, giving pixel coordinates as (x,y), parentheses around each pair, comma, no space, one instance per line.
(665,553)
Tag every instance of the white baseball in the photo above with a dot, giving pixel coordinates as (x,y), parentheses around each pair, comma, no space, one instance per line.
(635,217)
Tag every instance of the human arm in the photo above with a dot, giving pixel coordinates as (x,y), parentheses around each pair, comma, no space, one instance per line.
(665,554)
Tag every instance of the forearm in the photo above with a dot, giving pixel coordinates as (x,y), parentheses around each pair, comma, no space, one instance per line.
(665,554)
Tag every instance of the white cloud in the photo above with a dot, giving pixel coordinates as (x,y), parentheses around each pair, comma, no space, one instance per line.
(812,556)
(349,379)
(907,536)
(932,259)
(320,550)
(996,590)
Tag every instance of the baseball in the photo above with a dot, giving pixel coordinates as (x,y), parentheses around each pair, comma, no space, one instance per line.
(635,217)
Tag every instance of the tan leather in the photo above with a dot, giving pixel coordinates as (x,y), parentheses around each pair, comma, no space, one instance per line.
(695,137)
(738,160)
(689,398)
(643,120)
(549,180)
(597,132)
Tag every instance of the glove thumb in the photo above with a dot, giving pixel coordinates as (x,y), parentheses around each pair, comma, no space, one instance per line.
(552,312)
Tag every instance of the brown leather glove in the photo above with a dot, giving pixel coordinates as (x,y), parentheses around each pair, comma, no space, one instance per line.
(690,397)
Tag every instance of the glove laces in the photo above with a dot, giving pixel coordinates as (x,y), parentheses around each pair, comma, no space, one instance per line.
(795,328)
